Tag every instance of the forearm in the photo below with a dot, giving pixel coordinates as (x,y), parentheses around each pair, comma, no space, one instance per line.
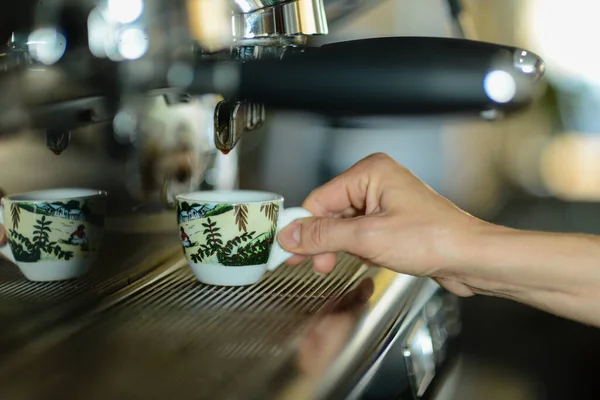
(558,273)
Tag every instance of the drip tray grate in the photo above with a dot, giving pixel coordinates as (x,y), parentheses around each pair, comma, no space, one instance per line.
(23,302)
(177,338)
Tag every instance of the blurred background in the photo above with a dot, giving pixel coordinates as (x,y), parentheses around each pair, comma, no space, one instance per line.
(539,169)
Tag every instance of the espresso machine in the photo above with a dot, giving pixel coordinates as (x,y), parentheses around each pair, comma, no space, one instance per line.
(170,88)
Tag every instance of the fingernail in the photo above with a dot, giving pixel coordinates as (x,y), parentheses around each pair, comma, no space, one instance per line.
(289,237)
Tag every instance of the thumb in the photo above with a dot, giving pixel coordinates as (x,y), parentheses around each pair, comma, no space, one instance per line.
(318,235)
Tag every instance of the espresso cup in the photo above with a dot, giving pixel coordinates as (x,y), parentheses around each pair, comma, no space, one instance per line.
(53,234)
(229,238)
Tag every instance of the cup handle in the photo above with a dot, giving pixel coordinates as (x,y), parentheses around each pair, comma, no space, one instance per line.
(5,248)
(287,216)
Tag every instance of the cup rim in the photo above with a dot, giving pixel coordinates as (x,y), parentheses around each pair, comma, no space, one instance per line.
(62,194)
(221,196)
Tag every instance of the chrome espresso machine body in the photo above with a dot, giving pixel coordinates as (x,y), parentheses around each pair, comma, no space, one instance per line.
(171,87)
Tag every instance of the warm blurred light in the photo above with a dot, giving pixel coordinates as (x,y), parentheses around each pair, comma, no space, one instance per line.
(124,11)
(564,33)
(523,164)
(209,23)
(500,86)
(133,43)
(47,45)
(570,167)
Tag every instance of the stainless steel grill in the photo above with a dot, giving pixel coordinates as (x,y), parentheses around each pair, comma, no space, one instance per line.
(169,336)
(28,307)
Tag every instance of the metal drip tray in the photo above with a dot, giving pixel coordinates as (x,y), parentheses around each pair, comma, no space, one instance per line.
(168,336)
(27,308)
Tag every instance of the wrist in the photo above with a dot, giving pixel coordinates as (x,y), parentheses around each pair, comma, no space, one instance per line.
(482,259)
(518,264)
(463,249)
(456,245)
(551,271)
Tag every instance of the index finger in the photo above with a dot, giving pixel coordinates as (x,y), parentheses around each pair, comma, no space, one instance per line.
(333,199)
(355,191)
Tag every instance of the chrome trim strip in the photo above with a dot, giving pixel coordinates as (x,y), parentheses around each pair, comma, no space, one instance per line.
(427,291)
(352,339)
(298,17)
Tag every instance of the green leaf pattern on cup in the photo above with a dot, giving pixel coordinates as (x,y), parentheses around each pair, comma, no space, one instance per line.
(27,250)
(228,235)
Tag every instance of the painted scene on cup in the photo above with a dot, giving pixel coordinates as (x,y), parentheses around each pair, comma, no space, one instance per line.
(52,231)
(225,234)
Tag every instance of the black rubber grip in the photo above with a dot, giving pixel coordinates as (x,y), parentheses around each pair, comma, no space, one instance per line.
(405,75)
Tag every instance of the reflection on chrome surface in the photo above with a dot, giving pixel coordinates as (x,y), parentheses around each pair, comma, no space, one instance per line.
(343,350)
(324,340)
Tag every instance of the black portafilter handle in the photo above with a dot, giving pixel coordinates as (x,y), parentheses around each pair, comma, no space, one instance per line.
(401,75)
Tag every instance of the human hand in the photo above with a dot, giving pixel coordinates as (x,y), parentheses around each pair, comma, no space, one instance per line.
(380,212)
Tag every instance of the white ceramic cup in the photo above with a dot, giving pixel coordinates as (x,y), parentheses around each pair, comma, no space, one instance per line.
(53,234)
(230,237)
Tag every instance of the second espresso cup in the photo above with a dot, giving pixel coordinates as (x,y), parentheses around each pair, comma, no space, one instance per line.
(53,234)
(230,237)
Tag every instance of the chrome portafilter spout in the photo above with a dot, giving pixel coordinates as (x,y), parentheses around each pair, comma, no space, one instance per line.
(232,119)
(57,141)
(263,29)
